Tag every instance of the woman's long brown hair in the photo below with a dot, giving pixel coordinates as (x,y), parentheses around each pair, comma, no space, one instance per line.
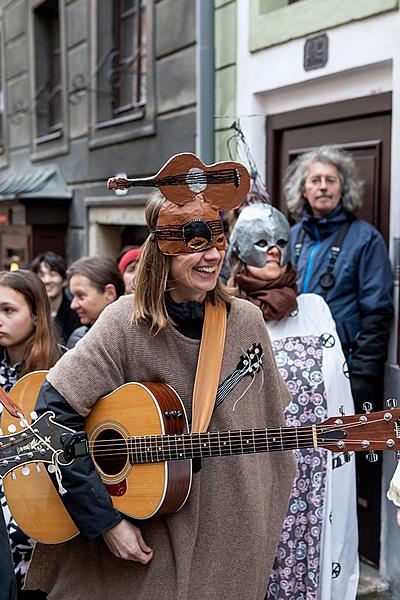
(42,349)
(151,276)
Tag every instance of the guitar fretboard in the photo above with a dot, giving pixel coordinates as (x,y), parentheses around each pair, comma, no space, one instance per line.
(190,178)
(146,449)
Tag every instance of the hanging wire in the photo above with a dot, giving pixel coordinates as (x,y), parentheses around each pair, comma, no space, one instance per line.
(238,149)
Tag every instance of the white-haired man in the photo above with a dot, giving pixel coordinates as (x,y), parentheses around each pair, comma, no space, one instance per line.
(344,259)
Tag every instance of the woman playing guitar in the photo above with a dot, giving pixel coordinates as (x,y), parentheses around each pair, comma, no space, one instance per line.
(222,543)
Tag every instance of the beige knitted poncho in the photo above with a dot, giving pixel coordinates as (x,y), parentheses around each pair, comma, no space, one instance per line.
(221,545)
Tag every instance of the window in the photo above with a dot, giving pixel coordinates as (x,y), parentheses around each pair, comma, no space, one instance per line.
(48,99)
(121,59)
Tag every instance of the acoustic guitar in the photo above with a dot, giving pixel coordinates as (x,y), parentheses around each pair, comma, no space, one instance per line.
(184,176)
(140,445)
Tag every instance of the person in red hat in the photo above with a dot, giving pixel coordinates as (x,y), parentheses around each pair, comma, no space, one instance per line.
(127,265)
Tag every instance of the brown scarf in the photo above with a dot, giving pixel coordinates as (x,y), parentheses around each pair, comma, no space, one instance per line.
(276,298)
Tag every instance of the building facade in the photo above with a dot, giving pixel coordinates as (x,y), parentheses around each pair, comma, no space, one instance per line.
(89,89)
(302,73)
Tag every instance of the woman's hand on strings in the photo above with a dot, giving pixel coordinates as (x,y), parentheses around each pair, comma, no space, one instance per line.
(125,541)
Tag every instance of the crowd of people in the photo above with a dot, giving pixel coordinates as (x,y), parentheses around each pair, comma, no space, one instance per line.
(313,301)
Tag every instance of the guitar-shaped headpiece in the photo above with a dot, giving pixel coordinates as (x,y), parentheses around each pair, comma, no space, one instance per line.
(195,193)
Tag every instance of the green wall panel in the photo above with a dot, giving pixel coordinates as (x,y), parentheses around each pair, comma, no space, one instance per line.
(225,36)
(221,149)
(271,23)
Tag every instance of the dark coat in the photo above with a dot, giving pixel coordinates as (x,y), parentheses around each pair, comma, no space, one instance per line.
(361,300)
(67,319)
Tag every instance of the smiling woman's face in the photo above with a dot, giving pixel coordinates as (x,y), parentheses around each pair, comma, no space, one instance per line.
(193,275)
(271,270)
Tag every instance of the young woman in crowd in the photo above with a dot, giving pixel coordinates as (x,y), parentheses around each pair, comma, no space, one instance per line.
(27,343)
(95,282)
(317,553)
(222,542)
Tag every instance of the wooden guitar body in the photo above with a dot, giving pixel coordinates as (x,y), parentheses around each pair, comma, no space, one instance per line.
(140,491)
(137,490)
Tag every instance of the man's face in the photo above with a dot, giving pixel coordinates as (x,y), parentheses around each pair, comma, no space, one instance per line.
(322,188)
(52,280)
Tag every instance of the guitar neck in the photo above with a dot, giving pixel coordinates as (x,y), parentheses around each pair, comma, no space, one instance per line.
(190,179)
(146,449)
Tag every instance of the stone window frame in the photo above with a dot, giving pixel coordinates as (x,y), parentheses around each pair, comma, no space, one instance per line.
(54,143)
(273,22)
(136,123)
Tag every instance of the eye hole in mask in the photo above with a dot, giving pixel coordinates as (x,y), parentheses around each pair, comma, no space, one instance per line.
(261,243)
(197,235)
(281,243)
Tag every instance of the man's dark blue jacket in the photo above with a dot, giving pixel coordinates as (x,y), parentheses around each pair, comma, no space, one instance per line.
(361,300)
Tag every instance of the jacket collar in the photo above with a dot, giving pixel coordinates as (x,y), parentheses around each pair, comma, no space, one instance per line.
(322,227)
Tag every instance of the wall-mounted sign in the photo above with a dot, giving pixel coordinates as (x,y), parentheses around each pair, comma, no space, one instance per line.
(316,52)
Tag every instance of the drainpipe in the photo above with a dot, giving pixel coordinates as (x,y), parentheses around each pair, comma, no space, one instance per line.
(205,80)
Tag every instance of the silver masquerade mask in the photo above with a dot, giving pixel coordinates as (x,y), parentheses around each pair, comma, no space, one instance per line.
(260,227)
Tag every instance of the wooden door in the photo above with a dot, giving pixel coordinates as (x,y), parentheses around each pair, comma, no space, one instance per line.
(362,127)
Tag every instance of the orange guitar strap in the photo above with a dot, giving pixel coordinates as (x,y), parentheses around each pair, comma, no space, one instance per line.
(208,365)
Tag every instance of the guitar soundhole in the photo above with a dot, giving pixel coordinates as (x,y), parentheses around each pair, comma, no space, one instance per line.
(110,451)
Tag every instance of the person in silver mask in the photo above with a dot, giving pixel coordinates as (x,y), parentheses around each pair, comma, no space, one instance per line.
(260,242)
(310,359)
(260,228)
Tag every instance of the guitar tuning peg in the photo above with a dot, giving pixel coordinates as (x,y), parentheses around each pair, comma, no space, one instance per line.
(372,457)
(12,428)
(341,410)
(1,431)
(37,467)
(367,406)
(346,456)
(13,476)
(33,415)
(391,402)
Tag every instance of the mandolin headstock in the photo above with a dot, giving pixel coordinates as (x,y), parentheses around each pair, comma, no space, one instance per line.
(40,443)
(357,433)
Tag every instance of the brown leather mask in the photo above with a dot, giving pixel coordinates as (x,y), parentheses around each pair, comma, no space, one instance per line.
(194,227)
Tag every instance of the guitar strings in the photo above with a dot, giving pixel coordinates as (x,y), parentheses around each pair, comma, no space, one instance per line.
(152,443)
(282,432)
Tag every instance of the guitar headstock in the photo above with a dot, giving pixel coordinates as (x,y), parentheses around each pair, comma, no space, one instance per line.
(251,360)
(357,433)
(27,445)
(117,183)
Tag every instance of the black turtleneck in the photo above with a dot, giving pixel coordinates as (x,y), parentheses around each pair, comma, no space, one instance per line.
(187,317)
